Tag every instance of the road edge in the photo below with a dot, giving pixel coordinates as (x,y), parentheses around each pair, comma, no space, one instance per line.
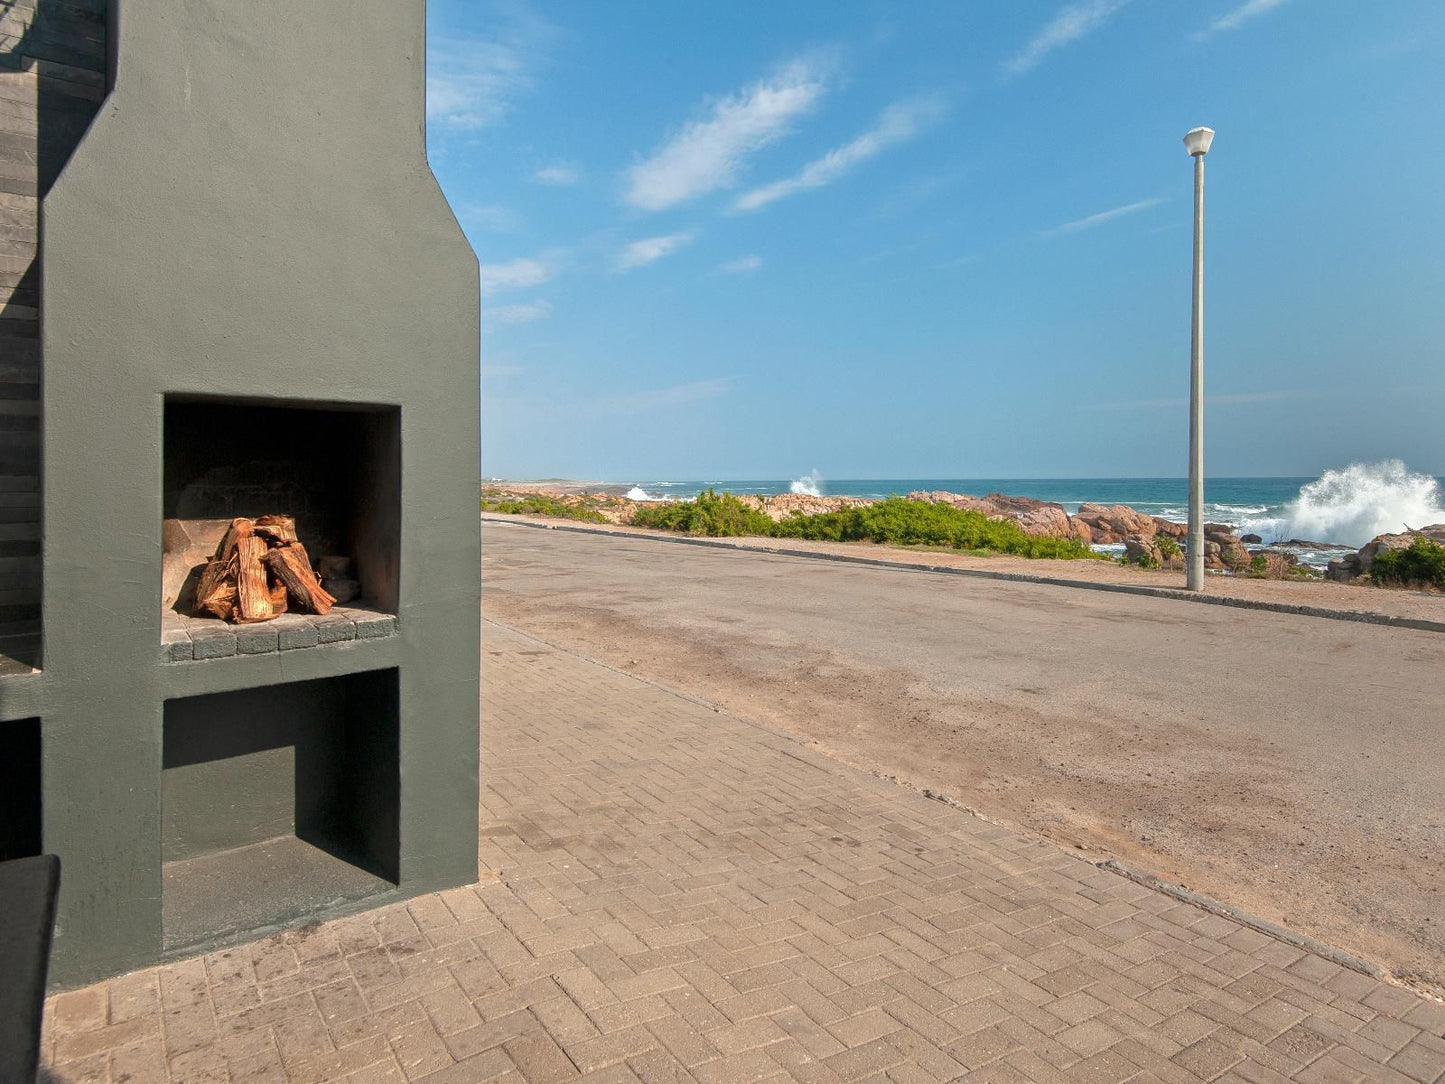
(1303,942)
(1365,617)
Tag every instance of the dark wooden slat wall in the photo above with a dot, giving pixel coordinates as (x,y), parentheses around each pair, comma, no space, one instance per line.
(52,79)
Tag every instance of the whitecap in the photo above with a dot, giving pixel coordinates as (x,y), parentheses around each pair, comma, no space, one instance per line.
(1351,506)
(810,485)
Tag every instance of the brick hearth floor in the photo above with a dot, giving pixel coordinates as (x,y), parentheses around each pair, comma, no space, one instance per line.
(676,894)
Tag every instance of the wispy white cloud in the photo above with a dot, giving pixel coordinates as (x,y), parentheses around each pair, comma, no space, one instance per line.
(514,274)
(473,81)
(649,249)
(741,265)
(898,124)
(1234,19)
(559,174)
(1099,219)
(1069,25)
(636,402)
(523,313)
(917,191)
(708,152)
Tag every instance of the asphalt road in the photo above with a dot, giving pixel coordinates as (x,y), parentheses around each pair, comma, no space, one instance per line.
(1291,766)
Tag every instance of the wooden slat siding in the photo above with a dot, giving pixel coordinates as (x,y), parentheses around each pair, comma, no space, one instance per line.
(52,78)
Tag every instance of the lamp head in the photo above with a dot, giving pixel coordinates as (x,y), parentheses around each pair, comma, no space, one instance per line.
(1197,141)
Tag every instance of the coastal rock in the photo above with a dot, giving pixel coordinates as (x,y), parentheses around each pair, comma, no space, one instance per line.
(1094,523)
(1251,539)
(780,506)
(965,501)
(939,496)
(1044,520)
(1034,517)
(1379,544)
(1344,569)
(1221,546)
(1115,522)
(1143,551)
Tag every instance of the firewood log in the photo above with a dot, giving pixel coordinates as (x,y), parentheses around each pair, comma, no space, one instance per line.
(219,583)
(252,591)
(221,601)
(277,530)
(292,567)
(278,598)
(240,528)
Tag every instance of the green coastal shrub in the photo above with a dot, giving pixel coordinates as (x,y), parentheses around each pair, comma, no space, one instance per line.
(1168,546)
(1422,562)
(903,522)
(895,521)
(539,504)
(718,515)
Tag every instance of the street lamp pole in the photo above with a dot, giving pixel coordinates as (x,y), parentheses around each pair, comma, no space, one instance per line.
(1197,142)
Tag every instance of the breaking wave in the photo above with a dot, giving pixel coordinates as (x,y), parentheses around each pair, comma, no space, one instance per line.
(1351,506)
(810,485)
(637,493)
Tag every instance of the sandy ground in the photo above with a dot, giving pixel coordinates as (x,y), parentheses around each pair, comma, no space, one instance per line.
(1291,766)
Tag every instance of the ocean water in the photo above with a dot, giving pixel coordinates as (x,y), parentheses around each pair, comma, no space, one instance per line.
(1343,508)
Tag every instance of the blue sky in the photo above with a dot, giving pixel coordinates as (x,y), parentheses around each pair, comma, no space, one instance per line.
(945,239)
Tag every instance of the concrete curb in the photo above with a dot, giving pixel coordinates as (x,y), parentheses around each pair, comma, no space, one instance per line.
(1362,617)
(1234,914)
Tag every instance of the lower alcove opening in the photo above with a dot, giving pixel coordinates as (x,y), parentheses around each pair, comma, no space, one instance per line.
(279,802)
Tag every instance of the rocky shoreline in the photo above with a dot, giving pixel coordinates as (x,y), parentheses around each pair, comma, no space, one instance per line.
(1147,540)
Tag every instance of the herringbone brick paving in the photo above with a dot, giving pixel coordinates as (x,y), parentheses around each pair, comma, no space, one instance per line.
(675,894)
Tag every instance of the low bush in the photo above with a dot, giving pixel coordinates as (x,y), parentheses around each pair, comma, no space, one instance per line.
(1421,562)
(539,504)
(1267,565)
(895,521)
(922,523)
(1168,546)
(1146,559)
(717,515)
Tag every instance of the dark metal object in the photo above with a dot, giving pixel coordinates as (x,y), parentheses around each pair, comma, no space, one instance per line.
(28,891)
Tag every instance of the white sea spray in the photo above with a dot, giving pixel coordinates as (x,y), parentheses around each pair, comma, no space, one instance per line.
(810,485)
(1352,505)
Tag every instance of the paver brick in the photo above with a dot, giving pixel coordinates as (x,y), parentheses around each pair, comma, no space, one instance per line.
(671,894)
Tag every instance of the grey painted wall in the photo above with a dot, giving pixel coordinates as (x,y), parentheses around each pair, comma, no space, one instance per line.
(251,214)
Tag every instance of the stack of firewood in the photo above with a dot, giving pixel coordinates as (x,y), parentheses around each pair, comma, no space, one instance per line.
(259,569)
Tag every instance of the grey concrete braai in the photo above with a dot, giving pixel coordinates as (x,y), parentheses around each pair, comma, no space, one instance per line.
(247,296)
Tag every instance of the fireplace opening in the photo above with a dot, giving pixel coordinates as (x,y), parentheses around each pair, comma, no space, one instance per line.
(20,788)
(276,801)
(330,474)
